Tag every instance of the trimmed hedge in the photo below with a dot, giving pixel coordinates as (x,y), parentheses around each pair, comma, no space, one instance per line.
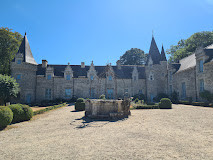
(6,117)
(49,108)
(165,103)
(185,102)
(147,107)
(204,104)
(28,113)
(80,104)
(18,112)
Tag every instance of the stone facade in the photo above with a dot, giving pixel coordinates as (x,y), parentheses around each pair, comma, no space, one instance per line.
(43,81)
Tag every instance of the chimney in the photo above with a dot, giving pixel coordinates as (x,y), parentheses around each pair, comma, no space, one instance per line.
(44,63)
(118,64)
(82,65)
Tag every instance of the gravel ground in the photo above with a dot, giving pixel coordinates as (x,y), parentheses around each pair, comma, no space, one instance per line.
(185,132)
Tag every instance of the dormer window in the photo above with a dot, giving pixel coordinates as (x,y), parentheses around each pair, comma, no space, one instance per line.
(68,77)
(91,77)
(110,78)
(18,61)
(49,77)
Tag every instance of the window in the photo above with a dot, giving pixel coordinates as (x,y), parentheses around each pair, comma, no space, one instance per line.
(91,77)
(110,78)
(19,61)
(140,91)
(49,77)
(110,93)
(201,65)
(18,76)
(48,93)
(134,78)
(68,93)
(183,90)
(201,85)
(68,77)
(92,93)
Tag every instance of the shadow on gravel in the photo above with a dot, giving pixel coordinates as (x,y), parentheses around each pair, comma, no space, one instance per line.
(89,122)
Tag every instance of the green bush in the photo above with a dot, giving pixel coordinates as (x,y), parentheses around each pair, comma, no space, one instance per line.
(28,113)
(136,100)
(6,116)
(102,96)
(204,104)
(174,97)
(18,112)
(165,103)
(185,102)
(139,96)
(207,96)
(147,107)
(80,104)
(160,96)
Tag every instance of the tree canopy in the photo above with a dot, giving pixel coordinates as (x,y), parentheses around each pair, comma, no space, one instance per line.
(8,88)
(134,56)
(186,47)
(9,44)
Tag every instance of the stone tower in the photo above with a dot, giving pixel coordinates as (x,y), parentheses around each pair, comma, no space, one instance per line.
(23,69)
(156,71)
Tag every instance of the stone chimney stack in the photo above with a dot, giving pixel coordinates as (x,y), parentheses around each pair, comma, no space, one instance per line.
(82,65)
(44,63)
(118,64)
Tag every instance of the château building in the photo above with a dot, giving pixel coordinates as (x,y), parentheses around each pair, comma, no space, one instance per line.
(47,82)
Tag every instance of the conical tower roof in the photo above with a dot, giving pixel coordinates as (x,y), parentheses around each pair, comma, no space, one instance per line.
(26,51)
(154,52)
(163,56)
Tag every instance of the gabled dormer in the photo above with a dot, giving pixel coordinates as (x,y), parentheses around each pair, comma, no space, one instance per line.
(49,73)
(92,74)
(24,53)
(110,75)
(68,72)
(135,74)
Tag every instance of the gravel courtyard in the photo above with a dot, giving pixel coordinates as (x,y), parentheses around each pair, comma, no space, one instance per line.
(185,132)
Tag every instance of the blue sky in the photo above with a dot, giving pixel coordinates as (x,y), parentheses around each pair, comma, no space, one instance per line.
(102,30)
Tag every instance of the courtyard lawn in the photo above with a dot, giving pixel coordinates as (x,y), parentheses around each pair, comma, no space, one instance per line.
(184,132)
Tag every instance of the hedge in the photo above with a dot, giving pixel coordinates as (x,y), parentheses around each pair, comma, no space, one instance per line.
(80,104)
(6,117)
(165,103)
(147,107)
(185,102)
(49,108)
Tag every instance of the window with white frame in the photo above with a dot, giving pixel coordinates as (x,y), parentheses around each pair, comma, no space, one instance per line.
(48,93)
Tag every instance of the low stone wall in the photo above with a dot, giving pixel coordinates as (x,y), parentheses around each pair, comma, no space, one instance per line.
(112,109)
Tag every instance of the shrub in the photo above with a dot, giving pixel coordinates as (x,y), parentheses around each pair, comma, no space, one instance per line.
(204,104)
(165,103)
(18,112)
(80,104)
(150,103)
(185,102)
(147,107)
(139,96)
(6,116)
(28,113)
(174,97)
(207,96)
(136,100)
(102,96)
(160,96)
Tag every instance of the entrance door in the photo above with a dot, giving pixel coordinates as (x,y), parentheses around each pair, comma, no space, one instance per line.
(110,93)
(28,98)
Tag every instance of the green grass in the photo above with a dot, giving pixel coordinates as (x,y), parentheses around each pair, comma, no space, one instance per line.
(49,108)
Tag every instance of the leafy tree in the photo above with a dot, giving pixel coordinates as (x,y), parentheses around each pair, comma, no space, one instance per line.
(186,47)
(9,43)
(8,88)
(134,56)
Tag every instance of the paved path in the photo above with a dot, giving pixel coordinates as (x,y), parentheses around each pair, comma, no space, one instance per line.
(184,132)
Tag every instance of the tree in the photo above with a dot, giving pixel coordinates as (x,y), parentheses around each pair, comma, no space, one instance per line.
(134,56)
(8,88)
(187,47)
(9,44)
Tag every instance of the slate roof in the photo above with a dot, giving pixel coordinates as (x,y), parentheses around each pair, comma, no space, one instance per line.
(26,51)
(187,62)
(163,56)
(124,73)
(154,52)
